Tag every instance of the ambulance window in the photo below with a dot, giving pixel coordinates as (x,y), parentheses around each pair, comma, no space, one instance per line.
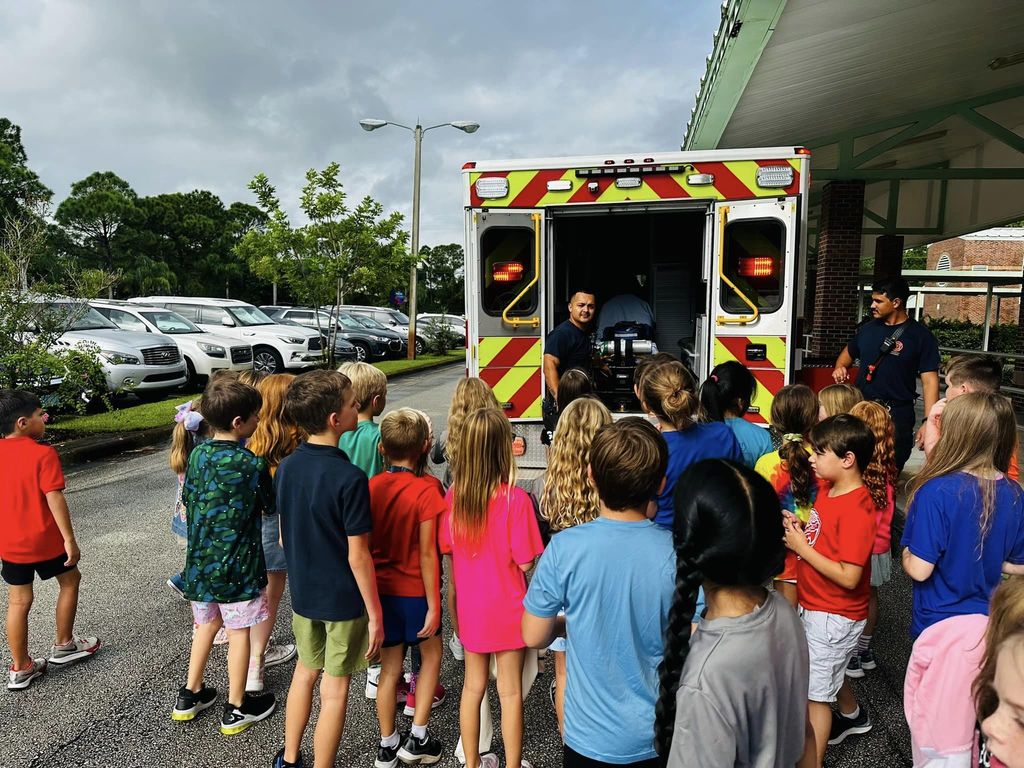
(753,261)
(507,260)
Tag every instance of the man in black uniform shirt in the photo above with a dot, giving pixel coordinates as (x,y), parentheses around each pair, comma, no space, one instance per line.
(568,344)
(888,372)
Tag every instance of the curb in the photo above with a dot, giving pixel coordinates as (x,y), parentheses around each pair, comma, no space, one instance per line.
(84,449)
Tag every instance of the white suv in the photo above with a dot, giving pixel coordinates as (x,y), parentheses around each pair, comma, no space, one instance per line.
(275,347)
(204,352)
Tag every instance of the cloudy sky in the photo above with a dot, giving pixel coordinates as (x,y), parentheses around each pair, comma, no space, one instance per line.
(174,96)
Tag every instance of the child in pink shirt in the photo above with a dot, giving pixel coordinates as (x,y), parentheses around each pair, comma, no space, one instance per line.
(491,533)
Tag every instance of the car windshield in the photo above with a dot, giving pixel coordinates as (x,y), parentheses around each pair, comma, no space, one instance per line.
(171,322)
(401,317)
(80,317)
(350,322)
(247,314)
(369,322)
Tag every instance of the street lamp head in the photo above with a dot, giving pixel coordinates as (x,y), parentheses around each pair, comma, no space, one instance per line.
(372,125)
(466,125)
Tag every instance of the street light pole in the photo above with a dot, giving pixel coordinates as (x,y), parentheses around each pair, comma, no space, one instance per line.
(418,140)
(466,126)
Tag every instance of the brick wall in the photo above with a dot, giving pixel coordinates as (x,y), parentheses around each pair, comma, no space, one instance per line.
(838,266)
(998,255)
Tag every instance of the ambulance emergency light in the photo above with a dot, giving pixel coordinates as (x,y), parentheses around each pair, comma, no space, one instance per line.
(507,272)
(491,187)
(771,176)
(756,266)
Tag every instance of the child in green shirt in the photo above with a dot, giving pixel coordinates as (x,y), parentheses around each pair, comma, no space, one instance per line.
(361,444)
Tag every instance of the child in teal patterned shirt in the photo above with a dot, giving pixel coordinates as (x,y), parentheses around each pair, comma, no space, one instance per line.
(226,490)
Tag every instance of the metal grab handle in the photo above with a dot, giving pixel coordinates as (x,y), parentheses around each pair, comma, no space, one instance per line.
(515,322)
(722,319)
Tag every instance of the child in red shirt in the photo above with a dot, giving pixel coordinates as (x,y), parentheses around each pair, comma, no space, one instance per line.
(833,573)
(36,537)
(405,506)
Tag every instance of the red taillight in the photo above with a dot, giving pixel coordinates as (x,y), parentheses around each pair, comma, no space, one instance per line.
(507,272)
(756,266)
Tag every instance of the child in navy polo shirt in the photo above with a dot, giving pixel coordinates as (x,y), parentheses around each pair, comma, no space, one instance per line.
(324,503)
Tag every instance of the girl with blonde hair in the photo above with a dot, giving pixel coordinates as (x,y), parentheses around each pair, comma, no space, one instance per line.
(471,394)
(965,518)
(669,392)
(190,429)
(491,534)
(569,498)
(837,398)
(273,439)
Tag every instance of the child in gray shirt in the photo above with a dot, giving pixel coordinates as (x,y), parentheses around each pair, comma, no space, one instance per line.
(734,694)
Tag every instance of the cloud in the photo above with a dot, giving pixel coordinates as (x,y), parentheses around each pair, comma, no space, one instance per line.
(198,94)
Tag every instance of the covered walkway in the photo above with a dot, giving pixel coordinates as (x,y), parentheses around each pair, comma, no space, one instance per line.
(914,112)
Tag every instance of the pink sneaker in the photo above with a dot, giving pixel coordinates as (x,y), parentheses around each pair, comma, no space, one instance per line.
(410,701)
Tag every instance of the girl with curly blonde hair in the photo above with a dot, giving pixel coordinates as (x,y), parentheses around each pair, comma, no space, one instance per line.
(569,498)
(274,438)
(471,394)
(879,473)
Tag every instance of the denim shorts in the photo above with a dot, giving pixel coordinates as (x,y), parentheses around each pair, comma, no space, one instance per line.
(272,550)
(881,569)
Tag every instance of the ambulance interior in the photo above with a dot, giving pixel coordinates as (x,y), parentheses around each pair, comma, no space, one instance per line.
(653,254)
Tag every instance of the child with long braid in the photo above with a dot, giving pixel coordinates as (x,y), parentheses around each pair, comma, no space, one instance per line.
(719,703)
(794,413)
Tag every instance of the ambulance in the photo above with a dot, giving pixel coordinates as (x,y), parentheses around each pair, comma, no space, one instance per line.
(713,241)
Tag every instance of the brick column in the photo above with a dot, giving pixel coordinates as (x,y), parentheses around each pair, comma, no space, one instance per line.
(888,256)
(1018,364)
(838,267)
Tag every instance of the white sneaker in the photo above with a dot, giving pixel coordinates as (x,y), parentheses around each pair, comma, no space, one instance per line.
(18,681)
(455,646)
(278,653)
(372,678)
(254,677)
(489,760)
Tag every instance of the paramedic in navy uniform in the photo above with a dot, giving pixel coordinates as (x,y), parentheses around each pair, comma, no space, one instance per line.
(568,344)
(894,383)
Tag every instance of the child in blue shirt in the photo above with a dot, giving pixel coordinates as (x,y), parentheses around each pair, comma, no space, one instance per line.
(614,577)
(726,397)
(668,391)
(965,519)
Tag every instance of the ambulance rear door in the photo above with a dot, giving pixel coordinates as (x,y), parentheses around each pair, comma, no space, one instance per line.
(752,301)
(509,300)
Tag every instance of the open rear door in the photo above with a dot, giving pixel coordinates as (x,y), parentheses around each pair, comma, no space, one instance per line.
(508,341)
(752,297)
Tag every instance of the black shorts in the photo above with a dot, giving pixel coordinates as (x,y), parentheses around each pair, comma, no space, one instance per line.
(20,574)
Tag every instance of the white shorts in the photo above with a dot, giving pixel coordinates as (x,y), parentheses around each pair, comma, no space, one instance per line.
(831,643)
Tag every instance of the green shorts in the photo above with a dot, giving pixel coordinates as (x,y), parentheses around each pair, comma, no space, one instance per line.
(336,647)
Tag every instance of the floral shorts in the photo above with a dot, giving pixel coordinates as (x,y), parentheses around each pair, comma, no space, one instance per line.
(242,615)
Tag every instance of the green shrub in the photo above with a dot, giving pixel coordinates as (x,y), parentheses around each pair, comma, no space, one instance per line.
(440,338)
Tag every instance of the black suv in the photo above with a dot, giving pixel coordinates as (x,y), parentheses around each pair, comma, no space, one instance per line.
(369,345)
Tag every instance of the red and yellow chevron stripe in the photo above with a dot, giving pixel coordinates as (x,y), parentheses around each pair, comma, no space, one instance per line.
(770,373)
(511,365)
(734,180)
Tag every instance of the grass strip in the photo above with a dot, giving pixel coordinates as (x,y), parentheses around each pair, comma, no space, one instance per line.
(392,367)
(145,416)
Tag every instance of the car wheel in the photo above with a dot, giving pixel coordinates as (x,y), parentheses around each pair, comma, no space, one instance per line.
(192,378)
(266,360)
(362,351)
(420,346)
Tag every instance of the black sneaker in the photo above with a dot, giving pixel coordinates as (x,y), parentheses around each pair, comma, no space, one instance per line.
(867,660)
(189,704)
(848,726)
(416,752)
(853,668)
(280,762)
(255,707)
(387,757)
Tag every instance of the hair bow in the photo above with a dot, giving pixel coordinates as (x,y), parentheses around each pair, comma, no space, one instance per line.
(793,437)
(185,414)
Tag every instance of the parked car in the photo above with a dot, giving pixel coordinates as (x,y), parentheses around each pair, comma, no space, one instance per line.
(389,318)
(147,364)
(275,347)
(398,345)
(367,344)
(204,352)
(457,324)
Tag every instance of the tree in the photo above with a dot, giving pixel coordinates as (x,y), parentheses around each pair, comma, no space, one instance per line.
(20,187)
(338,254)
(94,212)
(442,277)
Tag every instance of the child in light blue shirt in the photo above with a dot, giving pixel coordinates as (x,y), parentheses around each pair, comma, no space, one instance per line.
(726,396)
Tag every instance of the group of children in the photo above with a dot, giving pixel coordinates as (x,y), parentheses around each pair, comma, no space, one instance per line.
(672,552)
